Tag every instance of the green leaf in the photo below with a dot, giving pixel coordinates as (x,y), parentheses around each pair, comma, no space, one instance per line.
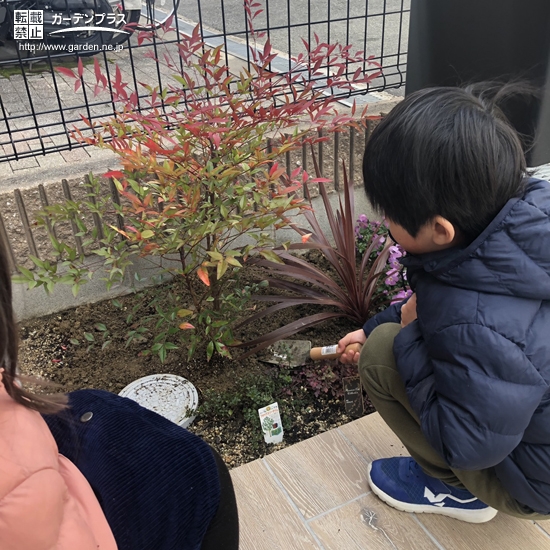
(215,255)
(222,268)
(135,186)
(233,262)
(271,256)
(184,312)
(209,350)
(147,234)
(74,341)
(89,336)
(36,261)
(100,326)
(26,272)
(20,279)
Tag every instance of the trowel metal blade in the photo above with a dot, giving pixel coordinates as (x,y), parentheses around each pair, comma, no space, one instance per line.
(293,353)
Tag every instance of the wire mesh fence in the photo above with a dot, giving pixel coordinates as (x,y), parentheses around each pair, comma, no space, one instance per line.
(39,106)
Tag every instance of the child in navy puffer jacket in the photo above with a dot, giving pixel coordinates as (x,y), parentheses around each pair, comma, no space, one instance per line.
(461,372)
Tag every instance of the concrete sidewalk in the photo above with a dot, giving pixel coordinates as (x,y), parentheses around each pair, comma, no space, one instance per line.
(54,166)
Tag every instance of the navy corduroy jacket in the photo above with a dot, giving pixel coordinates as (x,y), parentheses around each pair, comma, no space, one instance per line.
(476,362)
(157,483)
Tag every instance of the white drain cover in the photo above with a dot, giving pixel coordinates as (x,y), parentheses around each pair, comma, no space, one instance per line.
(169,395)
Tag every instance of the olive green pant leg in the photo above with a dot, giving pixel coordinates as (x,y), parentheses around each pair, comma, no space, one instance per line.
(386,391)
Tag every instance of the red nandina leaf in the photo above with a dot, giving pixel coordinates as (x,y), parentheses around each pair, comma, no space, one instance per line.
(114,174)
(305,238)
(97,70)
(267,48)
(186,326)
(80,67)
(203,275)
(290,189)
(66,71)
(142,36)
(154,147)
(216,139)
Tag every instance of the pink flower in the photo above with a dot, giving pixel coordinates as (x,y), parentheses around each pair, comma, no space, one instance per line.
(392,277)
(400,296)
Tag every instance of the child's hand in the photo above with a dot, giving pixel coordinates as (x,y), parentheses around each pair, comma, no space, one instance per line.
(355,337)
(408,311)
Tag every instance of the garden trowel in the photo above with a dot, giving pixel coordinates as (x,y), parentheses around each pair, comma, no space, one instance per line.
(295,353)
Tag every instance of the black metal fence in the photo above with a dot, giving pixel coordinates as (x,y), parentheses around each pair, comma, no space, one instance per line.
(39,105)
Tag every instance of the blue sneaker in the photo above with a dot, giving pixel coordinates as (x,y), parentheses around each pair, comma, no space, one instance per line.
(401,483)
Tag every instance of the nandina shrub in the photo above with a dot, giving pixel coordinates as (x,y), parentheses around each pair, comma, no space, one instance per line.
(198,175)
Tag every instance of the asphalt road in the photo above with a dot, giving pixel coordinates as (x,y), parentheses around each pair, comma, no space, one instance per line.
(379,27)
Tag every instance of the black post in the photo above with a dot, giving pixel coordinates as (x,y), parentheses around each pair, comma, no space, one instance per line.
(455,42)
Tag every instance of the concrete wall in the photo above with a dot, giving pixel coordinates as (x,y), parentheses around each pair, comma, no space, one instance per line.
(36,302)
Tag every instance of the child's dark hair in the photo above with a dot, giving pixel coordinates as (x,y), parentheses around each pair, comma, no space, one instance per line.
(447,152)
(9,345)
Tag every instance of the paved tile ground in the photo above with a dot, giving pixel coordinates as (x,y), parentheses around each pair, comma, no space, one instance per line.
(315,496)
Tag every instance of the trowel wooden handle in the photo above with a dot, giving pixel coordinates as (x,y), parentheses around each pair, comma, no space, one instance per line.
(329,352)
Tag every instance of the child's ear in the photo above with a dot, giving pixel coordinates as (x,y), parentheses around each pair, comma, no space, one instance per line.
(443,231)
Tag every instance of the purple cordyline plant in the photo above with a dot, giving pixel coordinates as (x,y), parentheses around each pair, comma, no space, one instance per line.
(351,289)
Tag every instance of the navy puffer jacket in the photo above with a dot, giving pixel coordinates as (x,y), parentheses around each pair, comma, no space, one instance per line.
(476,362)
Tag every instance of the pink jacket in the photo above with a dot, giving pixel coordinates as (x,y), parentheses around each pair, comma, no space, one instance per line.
(45,502)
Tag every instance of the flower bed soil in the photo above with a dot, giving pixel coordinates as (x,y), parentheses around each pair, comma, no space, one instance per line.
(224,385)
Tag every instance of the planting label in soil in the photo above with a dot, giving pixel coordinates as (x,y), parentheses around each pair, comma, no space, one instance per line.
(272,427)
